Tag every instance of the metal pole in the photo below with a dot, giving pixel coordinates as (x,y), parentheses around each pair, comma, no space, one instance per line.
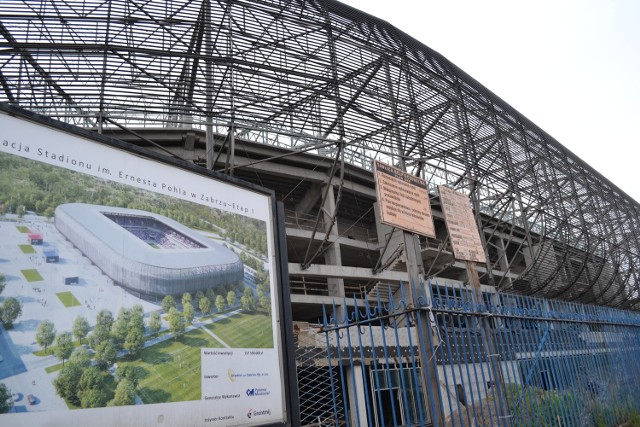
(430,378)
(490,348)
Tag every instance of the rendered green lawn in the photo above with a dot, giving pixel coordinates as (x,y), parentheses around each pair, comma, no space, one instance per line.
(31,275)
(54,368)
(27,249)
(244,330)
(170,370)
(22,229)
(68,299)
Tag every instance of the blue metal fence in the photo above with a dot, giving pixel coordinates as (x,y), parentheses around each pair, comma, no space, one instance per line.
(435,355)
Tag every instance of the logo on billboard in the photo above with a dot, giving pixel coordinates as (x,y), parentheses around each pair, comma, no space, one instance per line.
(253,413)
(252,392)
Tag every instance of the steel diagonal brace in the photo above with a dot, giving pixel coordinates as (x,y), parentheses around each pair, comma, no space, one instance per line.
(322,248)
(31,60)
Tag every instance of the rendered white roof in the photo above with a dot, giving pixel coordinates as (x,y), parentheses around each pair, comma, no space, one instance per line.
(92,220)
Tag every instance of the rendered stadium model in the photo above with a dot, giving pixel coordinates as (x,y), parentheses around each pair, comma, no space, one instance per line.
(148,254)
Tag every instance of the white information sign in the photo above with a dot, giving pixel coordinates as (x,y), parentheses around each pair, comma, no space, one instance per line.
(92,241)
(461,224)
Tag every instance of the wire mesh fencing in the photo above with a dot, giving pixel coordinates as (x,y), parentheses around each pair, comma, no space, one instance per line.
(435,355)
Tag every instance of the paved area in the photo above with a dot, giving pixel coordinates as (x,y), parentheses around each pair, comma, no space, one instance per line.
(22,371)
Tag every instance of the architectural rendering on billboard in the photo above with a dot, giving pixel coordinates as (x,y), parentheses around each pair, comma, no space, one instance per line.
(403,200)
(462,226)
(147,291)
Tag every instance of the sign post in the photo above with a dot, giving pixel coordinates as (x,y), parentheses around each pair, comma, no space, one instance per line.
(466,244)
(404,203)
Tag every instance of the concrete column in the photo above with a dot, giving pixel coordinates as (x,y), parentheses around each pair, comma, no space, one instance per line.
(356,394)
(333,255)
(503,261)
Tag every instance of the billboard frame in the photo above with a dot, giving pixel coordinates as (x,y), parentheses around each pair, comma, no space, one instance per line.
(290,398)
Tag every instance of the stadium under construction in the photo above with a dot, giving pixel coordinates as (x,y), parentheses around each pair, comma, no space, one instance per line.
(301,97)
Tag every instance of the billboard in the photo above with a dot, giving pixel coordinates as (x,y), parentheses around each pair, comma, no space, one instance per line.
(403,199)
(161,306)
(462,226)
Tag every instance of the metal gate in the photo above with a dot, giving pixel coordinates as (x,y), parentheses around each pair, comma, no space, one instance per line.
(450,360)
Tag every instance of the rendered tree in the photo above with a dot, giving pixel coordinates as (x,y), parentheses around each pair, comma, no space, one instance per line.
(188,312)
(231,298)
(66,384)
(81,328)
(155,323)
(134,341)
(127,372)
(91,377)
(91,388)
(94,398)
(137,312)
(120,327)
(48,212)
(265,304)
(106,354)
(45,334)
(186,297)
(81,357)
(100,334)
(102,330)
(137,320)
(104,319)
(125,394)
(199,296)
(220,303)
(6,402)
(64,346)
(248,300)
(167,303)
(211,295)
(10,310)
(176,323)
(205,305)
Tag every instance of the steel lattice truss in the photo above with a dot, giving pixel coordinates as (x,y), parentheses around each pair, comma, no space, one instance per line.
(299,74)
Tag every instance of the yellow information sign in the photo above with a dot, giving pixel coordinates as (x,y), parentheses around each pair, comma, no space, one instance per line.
(403,200)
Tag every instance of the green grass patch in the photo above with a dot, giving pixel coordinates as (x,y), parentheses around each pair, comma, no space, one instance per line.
(27,249)
(244,330)
(68,299)
(31,275)
(170,370)
(43,352)
(23,229)
(54,368)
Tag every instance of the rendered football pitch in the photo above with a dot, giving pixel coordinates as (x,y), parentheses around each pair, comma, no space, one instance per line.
(31,275)
(170,371)
(244,330)
(68,299)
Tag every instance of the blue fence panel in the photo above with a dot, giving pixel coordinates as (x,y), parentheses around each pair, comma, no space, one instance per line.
(434,355)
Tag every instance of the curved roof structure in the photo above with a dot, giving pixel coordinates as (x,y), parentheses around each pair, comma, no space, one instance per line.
(321,77)
(95,220)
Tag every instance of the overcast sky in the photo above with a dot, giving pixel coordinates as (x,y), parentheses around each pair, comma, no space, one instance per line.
(570,66)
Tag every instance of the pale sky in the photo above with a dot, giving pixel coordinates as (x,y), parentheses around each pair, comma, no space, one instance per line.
(570,66)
